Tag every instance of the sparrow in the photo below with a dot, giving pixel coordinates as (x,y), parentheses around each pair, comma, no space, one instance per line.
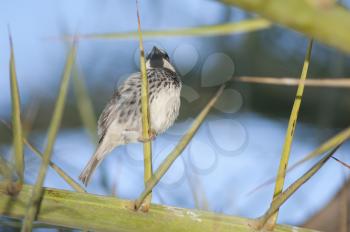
(121,120)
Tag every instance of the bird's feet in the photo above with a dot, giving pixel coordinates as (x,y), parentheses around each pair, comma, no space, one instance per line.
(151,136)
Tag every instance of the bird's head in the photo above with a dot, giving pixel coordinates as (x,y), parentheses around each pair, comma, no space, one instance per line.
(158,58)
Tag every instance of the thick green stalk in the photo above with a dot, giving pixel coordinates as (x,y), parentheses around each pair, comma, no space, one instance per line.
(84,211)
(327,23)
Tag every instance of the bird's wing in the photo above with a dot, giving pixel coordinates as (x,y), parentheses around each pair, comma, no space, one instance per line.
(123,95)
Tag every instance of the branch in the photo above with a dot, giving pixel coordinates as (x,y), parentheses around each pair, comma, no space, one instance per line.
(98,213)
(291,81)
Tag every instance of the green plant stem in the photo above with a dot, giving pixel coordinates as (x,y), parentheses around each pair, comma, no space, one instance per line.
(35,199)
(147,146)
(176,152)
(290,133)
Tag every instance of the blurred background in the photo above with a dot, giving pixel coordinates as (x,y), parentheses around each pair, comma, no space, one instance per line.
(237,148)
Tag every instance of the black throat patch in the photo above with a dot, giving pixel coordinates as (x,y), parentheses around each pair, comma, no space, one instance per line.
(157,61)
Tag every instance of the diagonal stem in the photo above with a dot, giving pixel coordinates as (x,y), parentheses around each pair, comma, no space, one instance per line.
(176,152)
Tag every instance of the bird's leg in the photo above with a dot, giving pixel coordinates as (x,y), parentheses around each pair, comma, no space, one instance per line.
(151,136)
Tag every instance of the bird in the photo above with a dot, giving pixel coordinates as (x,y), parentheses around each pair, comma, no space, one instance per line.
(120,122)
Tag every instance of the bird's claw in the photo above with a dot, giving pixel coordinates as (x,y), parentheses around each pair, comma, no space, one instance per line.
(151,136)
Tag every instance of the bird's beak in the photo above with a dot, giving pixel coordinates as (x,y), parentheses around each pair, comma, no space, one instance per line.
(154,53)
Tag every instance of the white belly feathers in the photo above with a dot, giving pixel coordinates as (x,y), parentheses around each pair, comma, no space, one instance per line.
(164,109)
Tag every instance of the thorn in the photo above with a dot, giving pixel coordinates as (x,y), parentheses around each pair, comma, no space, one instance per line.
(341,162)
(10,35)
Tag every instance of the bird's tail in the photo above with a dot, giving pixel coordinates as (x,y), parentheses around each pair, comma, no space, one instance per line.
(95,160)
